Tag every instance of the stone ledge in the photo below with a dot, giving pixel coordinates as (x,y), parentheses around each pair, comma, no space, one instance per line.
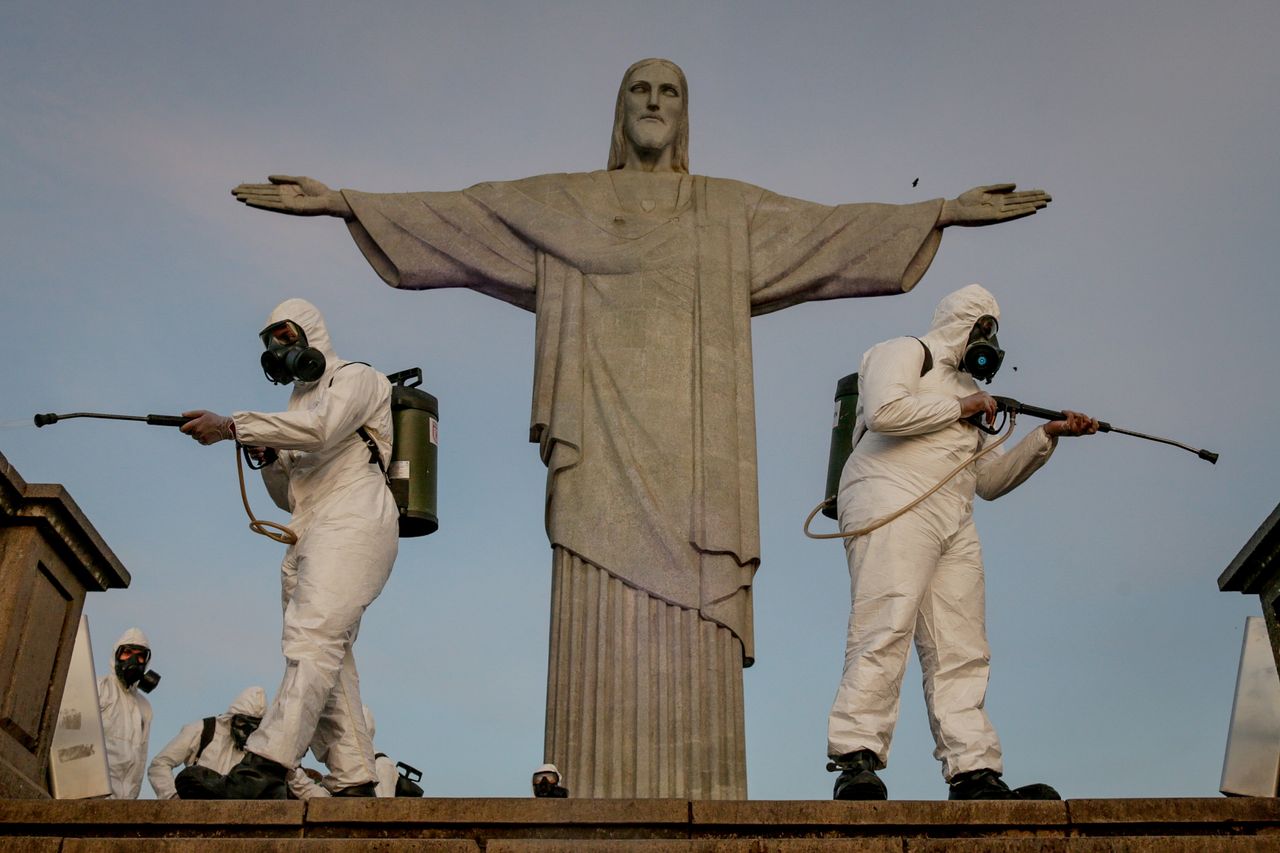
(265,845)
(31,844)
(1116,844)
(458,825)
(496,810)
(1176,844)
(497,817)
(898,817)
(151,818)
(1179,816)
(705,845)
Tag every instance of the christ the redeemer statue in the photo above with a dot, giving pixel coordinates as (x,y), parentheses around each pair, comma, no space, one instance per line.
(643,280)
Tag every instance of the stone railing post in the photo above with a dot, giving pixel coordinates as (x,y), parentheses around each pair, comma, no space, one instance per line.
(1256,571)
(50,556)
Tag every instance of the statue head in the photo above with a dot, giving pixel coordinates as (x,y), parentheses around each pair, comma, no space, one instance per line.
(652,113)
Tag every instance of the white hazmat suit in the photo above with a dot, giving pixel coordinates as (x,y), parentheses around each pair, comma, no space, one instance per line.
(347,528)
(302,788)
(126,724)
(921,576)
(219,755)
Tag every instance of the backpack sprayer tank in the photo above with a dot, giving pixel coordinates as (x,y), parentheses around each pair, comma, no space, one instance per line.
(841,439)
(416,440)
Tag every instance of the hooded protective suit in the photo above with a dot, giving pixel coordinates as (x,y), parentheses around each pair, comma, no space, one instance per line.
(347,527)
(921,575)
(221,753)
(126,725)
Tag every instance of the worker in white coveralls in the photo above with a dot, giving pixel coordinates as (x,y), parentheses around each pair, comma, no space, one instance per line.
(920,576)
(214,745)
(126,714)
(327,454)
(303,787)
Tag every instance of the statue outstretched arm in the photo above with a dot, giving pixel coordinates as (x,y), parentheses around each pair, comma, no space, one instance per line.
(297,196)
(990,204)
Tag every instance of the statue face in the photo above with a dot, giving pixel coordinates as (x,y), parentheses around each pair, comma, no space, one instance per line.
(654,105)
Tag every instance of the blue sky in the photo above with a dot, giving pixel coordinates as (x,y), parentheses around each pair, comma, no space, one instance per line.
(132,282)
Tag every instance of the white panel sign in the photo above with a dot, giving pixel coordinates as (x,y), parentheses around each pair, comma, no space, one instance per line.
(78,758)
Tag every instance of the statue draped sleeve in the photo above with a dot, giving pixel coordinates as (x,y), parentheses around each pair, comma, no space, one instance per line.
(446,239)
(803,252)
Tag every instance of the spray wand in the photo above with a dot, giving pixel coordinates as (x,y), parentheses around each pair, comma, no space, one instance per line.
(153,420)
(1012,406)
(269,529)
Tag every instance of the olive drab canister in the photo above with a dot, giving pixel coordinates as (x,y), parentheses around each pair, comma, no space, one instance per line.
(415,445)
(841,438)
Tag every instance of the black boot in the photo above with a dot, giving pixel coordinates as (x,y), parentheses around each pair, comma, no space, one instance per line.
(256,778)
(980,785)
(1037,791)
(368,789)
(200,783)
(858,779)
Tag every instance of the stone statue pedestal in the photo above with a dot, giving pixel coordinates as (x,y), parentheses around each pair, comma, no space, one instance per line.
(50,556)
(1256,571)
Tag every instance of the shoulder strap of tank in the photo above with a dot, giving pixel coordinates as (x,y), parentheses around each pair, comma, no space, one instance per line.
(346,364)
(928,358)
(206,736)
(374,455)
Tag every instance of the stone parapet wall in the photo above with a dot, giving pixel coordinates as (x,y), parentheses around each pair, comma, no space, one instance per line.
(619,826)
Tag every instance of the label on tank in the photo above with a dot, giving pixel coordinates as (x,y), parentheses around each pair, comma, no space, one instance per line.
(399,470)
(435,432)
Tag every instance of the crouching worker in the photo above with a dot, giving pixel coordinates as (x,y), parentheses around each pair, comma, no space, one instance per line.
(920,576)
(207,749)
(325,453)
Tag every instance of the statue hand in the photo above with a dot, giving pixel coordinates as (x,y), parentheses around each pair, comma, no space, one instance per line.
(990,204)
(299,196)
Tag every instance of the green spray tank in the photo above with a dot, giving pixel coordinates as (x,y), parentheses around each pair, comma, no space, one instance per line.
(841,439)
(415,446)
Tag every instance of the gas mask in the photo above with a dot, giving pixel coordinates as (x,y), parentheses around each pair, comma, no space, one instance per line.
(546,783)
(242,725)
(982,354)
(288,357)
(131,668)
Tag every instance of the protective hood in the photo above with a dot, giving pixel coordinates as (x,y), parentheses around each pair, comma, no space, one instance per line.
(368,720)
(132,637)
(311,320)
(252,702)
(954,319)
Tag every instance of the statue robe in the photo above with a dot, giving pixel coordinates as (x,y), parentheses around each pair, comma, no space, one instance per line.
(643,402)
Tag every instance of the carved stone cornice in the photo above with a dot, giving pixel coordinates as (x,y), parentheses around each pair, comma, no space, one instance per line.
(1257,562)
(48,507)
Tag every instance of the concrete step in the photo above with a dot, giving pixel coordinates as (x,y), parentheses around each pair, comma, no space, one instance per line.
(458,825)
